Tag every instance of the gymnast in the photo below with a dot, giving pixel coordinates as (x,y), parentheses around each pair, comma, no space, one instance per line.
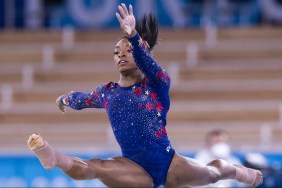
(137,106)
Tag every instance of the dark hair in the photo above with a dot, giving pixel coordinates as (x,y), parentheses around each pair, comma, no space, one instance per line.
(147,27)
(215,132)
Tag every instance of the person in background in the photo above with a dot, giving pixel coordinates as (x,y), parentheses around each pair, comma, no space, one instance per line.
(217,147)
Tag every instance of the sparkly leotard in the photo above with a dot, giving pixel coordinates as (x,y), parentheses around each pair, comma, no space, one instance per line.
(137,113)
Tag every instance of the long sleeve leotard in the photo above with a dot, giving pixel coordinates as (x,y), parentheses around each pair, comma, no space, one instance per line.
(137,113)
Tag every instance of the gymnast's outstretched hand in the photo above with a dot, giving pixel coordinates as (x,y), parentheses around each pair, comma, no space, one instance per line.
(60,105)
(126,20)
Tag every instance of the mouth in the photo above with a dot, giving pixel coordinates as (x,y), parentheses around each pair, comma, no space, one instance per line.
(122,62)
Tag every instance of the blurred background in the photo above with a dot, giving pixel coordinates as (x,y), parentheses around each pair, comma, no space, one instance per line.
(224,58)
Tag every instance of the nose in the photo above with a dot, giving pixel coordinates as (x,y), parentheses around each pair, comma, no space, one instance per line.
(121,55)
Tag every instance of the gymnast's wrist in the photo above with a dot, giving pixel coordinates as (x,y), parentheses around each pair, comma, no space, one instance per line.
(133,34)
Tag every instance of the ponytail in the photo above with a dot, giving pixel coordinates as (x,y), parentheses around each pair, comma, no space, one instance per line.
(147,27)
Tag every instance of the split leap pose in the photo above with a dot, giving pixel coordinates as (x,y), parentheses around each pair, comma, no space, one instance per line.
(137,107)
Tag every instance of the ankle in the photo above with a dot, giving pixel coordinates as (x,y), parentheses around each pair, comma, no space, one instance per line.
(63,161)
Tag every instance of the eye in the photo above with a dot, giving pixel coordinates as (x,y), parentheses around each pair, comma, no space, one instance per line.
(116,53)
(129,51)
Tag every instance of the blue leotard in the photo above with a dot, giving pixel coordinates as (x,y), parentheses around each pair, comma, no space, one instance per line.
(137,113)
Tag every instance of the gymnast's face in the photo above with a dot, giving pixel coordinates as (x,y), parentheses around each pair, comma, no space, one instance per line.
(123,57)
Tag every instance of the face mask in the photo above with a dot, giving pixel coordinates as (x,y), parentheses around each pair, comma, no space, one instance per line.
(220,150)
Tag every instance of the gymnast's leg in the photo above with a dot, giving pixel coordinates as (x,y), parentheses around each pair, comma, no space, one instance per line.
(117,171)
(189,172)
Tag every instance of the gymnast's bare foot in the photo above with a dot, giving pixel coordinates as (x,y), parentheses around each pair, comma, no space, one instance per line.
(249,176)
(48,155)
(35,141)
(259,179)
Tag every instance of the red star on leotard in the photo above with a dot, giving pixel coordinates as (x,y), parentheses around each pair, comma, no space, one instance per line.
(153,95)
(164,130)
(95,95)
(159,106)
(144,82)
(105,103)
(137,91)
(166,77)
(159,134)
(160,74)
(149,106)
(89,101)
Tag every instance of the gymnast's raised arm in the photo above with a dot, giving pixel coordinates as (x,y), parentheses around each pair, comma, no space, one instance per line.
(141,46)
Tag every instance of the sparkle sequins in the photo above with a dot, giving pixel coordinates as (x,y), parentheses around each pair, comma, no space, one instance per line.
(138,113)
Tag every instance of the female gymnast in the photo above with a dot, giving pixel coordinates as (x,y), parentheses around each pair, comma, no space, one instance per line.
(137,107)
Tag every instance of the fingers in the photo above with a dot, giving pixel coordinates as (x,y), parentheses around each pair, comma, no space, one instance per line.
(62,108)
(126,19)
(58,100)
(60,105)
(124,8)
(123,14)
(119,18)
(130,10)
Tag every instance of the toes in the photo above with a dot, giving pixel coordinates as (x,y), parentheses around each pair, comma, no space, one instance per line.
(32,138)
(35,141)
(259,180)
